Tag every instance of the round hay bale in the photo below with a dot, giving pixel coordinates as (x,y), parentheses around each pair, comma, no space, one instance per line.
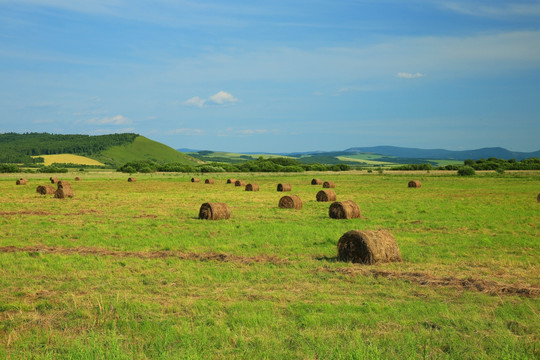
(328,185)
(538,198)
(368,247)
(326,195)
(284,187)
(21,181)
(290,202)
(195,179)
(77,178)
(209,181)
(344,210)
(239,183)
(64,190)
(45,189)
(214,211)
(54,180)
(231,181)
(132,179)
(252,187)
(414,184)
(316,182)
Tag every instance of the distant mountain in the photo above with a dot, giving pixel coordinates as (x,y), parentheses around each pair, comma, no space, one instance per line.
(402,152)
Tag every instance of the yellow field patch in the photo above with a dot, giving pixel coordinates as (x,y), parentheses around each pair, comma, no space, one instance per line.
(68,159)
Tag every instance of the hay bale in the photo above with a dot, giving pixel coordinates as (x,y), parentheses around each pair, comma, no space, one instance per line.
(316,182)
(284,187)
(344,210)
(209,181)
(132,179)
(414,184)
(368,247)
(328,185)
(45,189)
(326,195)
(214,211)
(21,181)
(538,198)
(231,181)
(77,178)
(290,202)
(195,179)
(54,180)
(252,187)
(64,190)
(239,183)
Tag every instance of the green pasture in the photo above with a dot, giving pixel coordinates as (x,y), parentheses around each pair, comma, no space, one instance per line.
(127,270)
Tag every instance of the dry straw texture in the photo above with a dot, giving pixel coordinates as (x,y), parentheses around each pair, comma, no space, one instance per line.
(64,190)
(231,181)
(344,210)
(290,202)
(326,195)
(45,189)
(538,198)
(284,187)
(195,179)
(328,185)
(77,178)
(132,179)
(21,181)
(414,184)
(209,181)
(316,182)
(214,211)
(252,187)
(368,247)
(239,183)
(54,180)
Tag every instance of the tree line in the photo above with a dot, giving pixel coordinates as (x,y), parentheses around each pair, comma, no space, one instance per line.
(480,164)
(19,148)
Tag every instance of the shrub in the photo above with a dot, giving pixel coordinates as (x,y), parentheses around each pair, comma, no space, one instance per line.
(9,168)
(466,171)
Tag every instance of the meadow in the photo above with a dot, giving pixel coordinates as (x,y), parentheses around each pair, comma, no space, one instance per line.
(128,271)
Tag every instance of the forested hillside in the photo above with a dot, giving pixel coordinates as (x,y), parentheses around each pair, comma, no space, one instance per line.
(19,148)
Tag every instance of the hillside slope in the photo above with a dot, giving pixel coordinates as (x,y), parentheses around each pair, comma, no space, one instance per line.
(143,148)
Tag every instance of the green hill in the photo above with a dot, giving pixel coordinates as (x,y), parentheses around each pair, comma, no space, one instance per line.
(143,148)
(113,149)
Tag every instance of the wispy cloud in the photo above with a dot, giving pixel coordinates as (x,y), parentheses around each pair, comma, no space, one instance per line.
(493,9)
(114,120)
(404,75)
(185,131)
(220,98)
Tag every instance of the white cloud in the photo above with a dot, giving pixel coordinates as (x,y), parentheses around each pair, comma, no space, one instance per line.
(404,75)
(194,101)
(114,120)
(222,97)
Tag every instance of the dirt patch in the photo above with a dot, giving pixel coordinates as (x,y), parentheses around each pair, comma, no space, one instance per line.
(210,256)
(24,212)
(480,285)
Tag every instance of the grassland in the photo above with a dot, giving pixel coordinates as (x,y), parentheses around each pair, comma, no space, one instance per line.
(69,159)
(127,271)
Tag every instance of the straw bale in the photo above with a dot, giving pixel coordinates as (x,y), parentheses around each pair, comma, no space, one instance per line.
(326,195)
(64,190)
(316,182)
(195,179)
(54,180)
(252,187)
(132,179)
(368,247)
(214,211)
(231,181)
(328,185)
(209,181)
(290,202)
(414,184)
(284,187)
(344,210)
(21,181)
(239,183)
(45,189)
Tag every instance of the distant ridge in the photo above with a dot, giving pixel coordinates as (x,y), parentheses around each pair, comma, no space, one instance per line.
(403,152)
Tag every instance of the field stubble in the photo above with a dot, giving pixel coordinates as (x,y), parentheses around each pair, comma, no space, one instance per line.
(127,270)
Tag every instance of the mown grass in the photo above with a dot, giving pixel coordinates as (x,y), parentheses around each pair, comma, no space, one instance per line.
(283,295)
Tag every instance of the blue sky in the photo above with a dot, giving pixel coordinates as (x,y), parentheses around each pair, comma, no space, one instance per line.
(275,76)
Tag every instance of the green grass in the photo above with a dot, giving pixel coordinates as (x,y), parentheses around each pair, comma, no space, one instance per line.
(279,292)
(143,148)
